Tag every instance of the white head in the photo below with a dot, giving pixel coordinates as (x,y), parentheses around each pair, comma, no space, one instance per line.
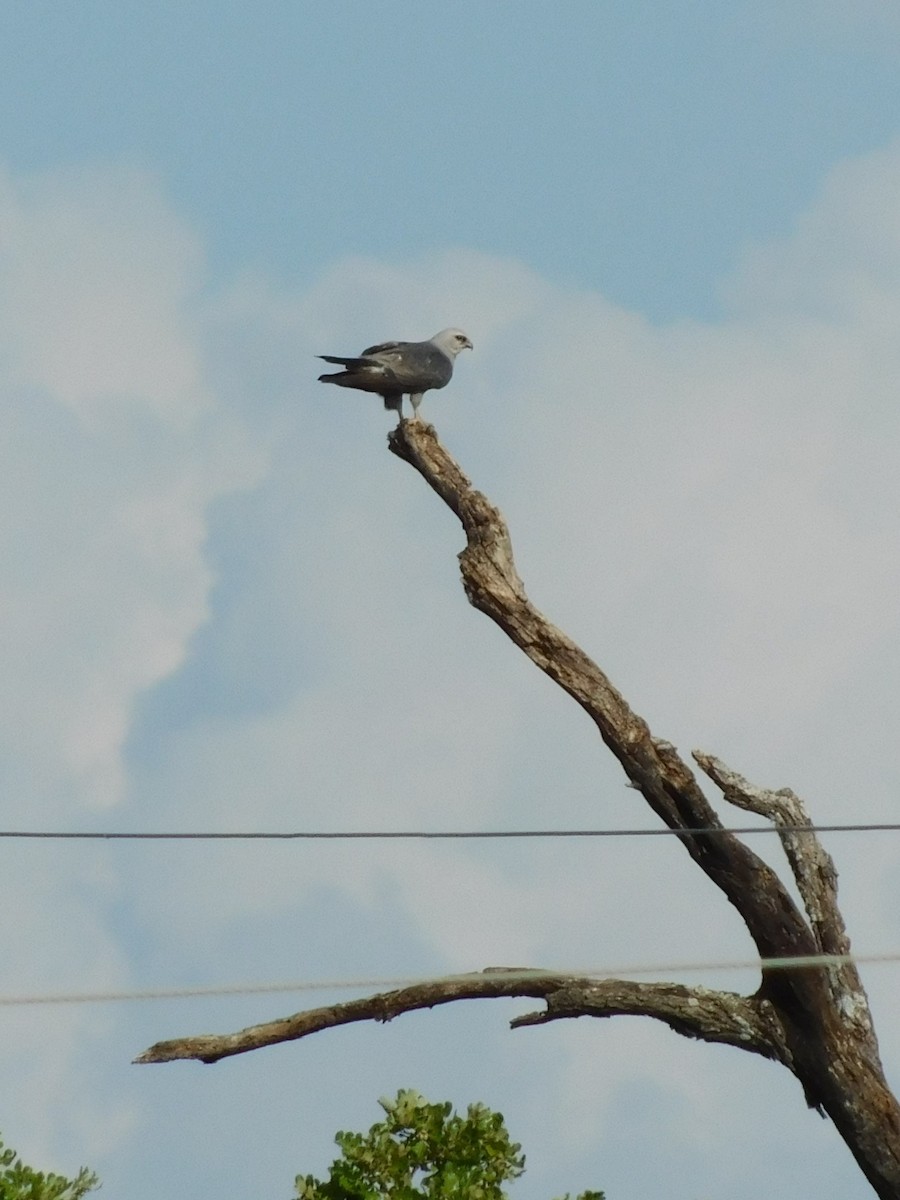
(451,341)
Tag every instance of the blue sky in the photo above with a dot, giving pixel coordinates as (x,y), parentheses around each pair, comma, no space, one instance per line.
(672,234)
(631,147)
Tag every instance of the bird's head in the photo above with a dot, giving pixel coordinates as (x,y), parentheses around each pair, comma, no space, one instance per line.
(451,341)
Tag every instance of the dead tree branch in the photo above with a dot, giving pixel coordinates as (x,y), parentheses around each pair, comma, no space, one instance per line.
(814,1020)
(711,1016)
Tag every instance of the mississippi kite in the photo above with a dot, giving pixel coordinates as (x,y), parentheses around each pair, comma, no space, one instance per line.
(397,369)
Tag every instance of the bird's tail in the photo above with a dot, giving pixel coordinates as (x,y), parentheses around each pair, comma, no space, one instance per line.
(346,362)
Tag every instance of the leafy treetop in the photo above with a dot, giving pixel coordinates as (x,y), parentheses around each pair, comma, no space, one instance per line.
(424,1151)
(21,1182)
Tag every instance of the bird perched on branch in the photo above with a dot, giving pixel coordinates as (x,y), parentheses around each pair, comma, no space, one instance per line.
(396,369)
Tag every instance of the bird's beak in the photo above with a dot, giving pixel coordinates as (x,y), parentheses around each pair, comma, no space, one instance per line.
(467,345)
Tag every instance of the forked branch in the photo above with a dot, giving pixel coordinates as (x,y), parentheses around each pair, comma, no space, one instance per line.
(815,1019)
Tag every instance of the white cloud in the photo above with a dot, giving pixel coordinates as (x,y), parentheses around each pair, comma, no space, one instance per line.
(98,279)
(837,272)
(109,465)
(108,469)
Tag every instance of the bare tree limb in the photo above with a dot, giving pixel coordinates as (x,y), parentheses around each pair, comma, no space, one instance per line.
(489,985)
(812,867)
(813,1019)
(694,1012)
(815,874)
(652,765)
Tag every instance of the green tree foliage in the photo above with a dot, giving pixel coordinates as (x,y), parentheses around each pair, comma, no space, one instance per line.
(19,1182)
(424,1151)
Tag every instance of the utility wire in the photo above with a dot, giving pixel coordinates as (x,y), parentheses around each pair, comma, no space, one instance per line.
(439,835)
(524,974)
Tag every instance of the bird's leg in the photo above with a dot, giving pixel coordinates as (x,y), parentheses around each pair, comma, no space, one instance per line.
(415,400)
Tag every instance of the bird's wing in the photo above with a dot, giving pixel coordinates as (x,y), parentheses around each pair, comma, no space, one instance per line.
(385,347)
(417,366)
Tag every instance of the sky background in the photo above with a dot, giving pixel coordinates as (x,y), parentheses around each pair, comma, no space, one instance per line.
(672,232)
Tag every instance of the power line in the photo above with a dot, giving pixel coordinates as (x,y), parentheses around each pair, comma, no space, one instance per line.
(441,835)
(524,974)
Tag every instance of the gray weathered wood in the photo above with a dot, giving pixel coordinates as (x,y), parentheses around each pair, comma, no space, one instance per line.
(814,1019)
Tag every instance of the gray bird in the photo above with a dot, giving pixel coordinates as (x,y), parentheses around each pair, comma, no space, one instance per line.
(396,369)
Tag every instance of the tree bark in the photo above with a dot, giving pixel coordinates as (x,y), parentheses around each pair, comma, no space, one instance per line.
(814,1019)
